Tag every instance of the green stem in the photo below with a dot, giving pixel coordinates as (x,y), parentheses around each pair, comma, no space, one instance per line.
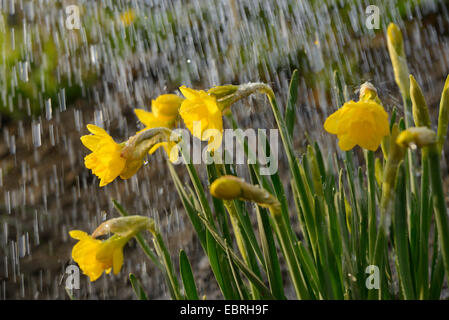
(401,236)
(299,282)
(230,206)
(199,189)
(170,273)
(372,230)
(424,225)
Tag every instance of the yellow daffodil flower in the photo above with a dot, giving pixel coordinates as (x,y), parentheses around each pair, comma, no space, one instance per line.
(200,112)
(128,17)
(416,137)
(106,160)
(166,106)
(165,111)
(164,114)
(151,121)
(96,256)
(109,159)
(362,123)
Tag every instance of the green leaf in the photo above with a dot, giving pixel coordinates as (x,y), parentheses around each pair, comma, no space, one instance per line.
(290,114)
(215,265)
(137,287)
(401,236)
(338,88)
(238,262)
(169,272)
(437,278)
(220,212)
(189,207)
(272,266)
(187,277)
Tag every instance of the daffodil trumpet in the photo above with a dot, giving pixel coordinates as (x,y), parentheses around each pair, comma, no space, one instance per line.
(164,112)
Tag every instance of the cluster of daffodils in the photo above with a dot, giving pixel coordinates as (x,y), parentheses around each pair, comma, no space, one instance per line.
(110,159)
(343,228)
(202,113)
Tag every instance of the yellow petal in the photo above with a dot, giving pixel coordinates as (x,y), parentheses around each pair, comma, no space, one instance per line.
(84,253)
(117,260)
(151,121)
(345,142)
(188,93)
(332,122)
(91,141)
(170,148)
(166,106)
(147,118)
(97,130)
(78,234)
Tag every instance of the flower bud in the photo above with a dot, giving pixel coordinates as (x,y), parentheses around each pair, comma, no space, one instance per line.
(368,92)
(227,188)
(395,156)
(420,110)
(230,187)
(220,92)
(229,94)
(124,226)
(416,137)
(443,118)
(395,44)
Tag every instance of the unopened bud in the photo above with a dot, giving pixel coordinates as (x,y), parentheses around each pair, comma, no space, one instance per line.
(368,92)
(416,137)
(227,188)
(124,226)
(397,54)
(220,92)
(138,146)
(229,94)
(443,117)
(230,187)
(420,110)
